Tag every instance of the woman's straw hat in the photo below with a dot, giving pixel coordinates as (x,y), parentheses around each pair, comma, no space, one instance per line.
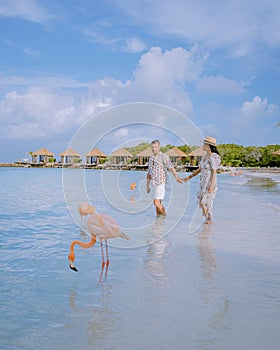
(210,140)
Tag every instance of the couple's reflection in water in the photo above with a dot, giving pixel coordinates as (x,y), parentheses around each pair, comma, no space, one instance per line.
(155,265)
(210,287)
(208,264)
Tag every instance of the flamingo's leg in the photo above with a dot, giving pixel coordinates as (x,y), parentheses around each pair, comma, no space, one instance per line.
(107,259)
(103,261)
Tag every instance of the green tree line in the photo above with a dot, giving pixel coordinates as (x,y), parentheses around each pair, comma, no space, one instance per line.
(231,154)
(251,156)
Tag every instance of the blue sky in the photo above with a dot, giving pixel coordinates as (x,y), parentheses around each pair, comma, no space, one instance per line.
(62,62)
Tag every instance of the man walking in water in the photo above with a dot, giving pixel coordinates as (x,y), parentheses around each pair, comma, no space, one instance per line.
(159,163)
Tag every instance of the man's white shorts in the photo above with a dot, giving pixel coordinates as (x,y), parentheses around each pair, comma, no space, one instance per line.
(159,191)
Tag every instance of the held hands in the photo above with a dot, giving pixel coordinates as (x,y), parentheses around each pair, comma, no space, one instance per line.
(179,180)
(186,179)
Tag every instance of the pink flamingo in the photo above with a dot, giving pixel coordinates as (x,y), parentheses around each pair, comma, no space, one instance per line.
(84,209)
(100,226)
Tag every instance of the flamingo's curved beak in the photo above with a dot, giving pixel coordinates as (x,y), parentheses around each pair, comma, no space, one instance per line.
(73,268)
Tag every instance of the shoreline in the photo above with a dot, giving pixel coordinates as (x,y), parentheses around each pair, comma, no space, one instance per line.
(127,167)
(222,170)
(263,170)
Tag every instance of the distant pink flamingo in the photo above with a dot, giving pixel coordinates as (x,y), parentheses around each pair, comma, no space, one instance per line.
(100,226)
(133,186)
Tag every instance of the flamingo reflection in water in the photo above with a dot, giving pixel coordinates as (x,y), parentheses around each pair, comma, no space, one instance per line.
(100,226)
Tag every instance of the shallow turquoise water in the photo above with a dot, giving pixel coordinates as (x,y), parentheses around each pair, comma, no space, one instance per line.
(215,288)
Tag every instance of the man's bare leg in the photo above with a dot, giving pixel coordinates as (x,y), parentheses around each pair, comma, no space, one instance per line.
(159,207)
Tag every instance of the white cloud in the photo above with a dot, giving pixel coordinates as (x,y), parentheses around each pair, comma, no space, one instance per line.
(26,9)
(53,110)
(258,108)
(211,129)
(46,112)
(96,35)
(31,52)
(255,122)
(135,45)
(35,113)
(133,134)
(121,133)
(160,70)
(237,25)
(106,36)
(251,123)
(160,77)
(219,86)
(8,81)
(49,109)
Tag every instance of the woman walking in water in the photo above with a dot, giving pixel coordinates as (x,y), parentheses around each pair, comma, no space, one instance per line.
(208,178)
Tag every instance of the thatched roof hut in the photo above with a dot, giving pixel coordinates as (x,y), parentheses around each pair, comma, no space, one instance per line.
(143,156)
(43,155)
(95,156)
(69,156)
(176,155)
(277,152)
(120,156)
(198,153)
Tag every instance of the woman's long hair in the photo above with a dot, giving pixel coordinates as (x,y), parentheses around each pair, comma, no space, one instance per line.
(214,149)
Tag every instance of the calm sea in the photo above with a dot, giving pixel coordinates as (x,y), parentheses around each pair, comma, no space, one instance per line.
(175,285)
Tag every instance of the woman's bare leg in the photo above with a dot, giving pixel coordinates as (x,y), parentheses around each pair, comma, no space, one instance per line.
(204,209)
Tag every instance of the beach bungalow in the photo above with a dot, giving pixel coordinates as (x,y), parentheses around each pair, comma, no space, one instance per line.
(120,156)
(176,155)
(197,154)
(69,157)
(42,156)
(95,156)
(144,156)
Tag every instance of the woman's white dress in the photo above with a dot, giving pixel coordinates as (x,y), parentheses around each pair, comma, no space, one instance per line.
(207,164)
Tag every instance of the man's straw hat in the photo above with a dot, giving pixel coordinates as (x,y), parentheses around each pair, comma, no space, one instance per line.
(210,140)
